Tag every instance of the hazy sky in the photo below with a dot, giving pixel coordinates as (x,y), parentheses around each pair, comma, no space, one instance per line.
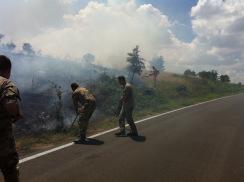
(195,34)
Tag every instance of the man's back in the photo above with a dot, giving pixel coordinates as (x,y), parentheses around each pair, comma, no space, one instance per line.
(82,95)
(9,114)
(128,95)
(8,93)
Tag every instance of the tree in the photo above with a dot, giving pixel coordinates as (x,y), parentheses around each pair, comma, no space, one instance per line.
(136,63)
(89,58)
(27,48)
(154,74)
(190,73)
(10,46)
(214,75)
(209,75)
(59,107)
(158,63)
(203,75)
(1,36)
(224,78)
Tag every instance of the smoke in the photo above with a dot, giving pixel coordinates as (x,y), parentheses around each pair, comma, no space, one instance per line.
(52,44)
(108,30)
(22,19)
(44,84)
(51,50)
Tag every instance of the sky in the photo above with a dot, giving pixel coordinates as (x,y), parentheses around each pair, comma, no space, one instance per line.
(189,34)
(178,11)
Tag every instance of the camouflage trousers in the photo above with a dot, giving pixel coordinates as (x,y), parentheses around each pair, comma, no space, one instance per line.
(126,114)
(9,167)
(9,158)
(84,117)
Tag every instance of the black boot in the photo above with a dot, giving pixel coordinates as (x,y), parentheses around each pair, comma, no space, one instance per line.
(133,133)
(11,175)
(82,139)
(121,133)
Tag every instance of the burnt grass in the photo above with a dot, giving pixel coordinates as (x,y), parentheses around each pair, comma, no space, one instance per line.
(49,113)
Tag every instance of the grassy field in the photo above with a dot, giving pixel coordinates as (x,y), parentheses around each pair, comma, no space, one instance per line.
(171,92)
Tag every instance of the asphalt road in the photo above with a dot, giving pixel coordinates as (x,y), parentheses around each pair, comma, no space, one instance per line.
(199,144)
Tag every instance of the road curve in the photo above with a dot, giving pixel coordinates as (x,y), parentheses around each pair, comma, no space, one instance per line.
(204,143)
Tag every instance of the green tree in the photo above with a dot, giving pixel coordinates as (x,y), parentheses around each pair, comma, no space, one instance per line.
(224,78)
(209,75)
(190,73)
(136,64)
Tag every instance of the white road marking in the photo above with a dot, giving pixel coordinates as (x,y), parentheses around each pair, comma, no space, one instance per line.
(114,129)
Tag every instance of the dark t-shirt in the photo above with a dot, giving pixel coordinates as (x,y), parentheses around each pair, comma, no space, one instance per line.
(128,96)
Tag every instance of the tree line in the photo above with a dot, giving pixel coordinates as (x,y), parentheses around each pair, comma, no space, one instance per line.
(137,65)
(212,75)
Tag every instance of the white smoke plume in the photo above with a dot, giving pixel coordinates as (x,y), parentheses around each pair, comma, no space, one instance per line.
(110,29)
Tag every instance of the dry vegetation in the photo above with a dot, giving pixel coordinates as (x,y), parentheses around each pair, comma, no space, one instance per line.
(172,91)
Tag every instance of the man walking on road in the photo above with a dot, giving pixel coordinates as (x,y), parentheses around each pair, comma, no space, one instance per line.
(85,105)
(125,110)
(9,114)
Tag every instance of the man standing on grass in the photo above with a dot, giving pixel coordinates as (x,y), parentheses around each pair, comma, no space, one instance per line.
(125,110)
(85,105)
(9,114)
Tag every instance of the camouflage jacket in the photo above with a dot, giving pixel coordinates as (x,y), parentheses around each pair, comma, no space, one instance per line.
(8,94)
(81,96)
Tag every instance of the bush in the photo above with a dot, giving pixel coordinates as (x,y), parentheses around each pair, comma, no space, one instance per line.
(107,92)
(148,92)
(182,90)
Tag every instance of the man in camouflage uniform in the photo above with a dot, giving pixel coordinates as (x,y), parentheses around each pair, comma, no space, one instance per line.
(125,109)
(85,105)
(9,114)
